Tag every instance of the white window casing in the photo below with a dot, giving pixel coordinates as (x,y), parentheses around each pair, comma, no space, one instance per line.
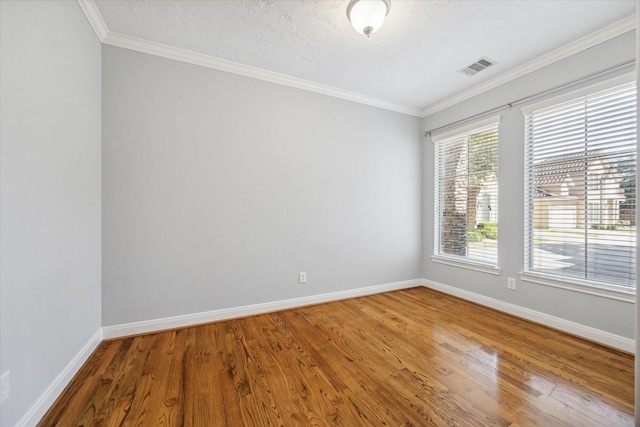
(466,193)
(580,190)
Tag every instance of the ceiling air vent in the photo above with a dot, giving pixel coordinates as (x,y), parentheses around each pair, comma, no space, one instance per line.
(477,66)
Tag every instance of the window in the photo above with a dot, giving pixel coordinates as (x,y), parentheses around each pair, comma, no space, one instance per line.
(466,216)
(580,189)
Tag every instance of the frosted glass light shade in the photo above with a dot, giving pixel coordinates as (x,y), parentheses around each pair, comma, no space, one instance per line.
(367,16)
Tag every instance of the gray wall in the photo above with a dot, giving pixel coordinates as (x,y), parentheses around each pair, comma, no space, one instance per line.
(218,189)
(605,314)
(50,204)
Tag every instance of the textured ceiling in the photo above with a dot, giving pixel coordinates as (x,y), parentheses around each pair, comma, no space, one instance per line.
(412,60)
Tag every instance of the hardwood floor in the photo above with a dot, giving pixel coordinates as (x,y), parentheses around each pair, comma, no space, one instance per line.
(411,357)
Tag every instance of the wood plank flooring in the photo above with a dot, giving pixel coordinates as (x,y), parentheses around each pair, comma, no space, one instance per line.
(413,357)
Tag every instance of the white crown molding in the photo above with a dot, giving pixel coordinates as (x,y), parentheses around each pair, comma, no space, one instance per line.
(127,42)
(616,29)
(158,49)
(92,12)
(55,389)
(592,334)
(95,18)
(155,325)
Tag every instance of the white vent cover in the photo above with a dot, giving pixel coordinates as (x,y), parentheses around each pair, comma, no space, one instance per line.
(477,66)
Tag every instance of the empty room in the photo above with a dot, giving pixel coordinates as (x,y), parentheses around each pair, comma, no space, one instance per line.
(331,212)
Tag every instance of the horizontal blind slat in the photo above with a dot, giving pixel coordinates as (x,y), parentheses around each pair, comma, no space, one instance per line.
(466,172)
(580,173)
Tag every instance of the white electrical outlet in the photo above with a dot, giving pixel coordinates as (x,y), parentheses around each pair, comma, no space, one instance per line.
(511,283)
(303,277)
(4,387)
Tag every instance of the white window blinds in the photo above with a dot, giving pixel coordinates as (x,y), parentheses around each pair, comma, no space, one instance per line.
(466,214)
(580,189)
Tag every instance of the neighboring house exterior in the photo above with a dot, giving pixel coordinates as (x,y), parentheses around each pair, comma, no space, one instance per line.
(487,203)
(576,191)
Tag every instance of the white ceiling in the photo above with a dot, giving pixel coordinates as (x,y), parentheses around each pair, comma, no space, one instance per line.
(411,63)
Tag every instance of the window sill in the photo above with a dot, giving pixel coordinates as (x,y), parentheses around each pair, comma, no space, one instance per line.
(576,285)
(469,265)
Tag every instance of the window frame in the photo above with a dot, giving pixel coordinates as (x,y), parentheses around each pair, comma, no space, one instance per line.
(603,289)
(450,259)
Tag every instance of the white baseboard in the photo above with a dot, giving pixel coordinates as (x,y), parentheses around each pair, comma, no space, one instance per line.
(593,334)
(155,325)
(46,400)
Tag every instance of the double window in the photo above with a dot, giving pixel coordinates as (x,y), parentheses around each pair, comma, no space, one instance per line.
(467,194)
(580,189)
(580,192)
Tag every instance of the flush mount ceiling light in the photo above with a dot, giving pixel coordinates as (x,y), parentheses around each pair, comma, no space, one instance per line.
(367,16)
